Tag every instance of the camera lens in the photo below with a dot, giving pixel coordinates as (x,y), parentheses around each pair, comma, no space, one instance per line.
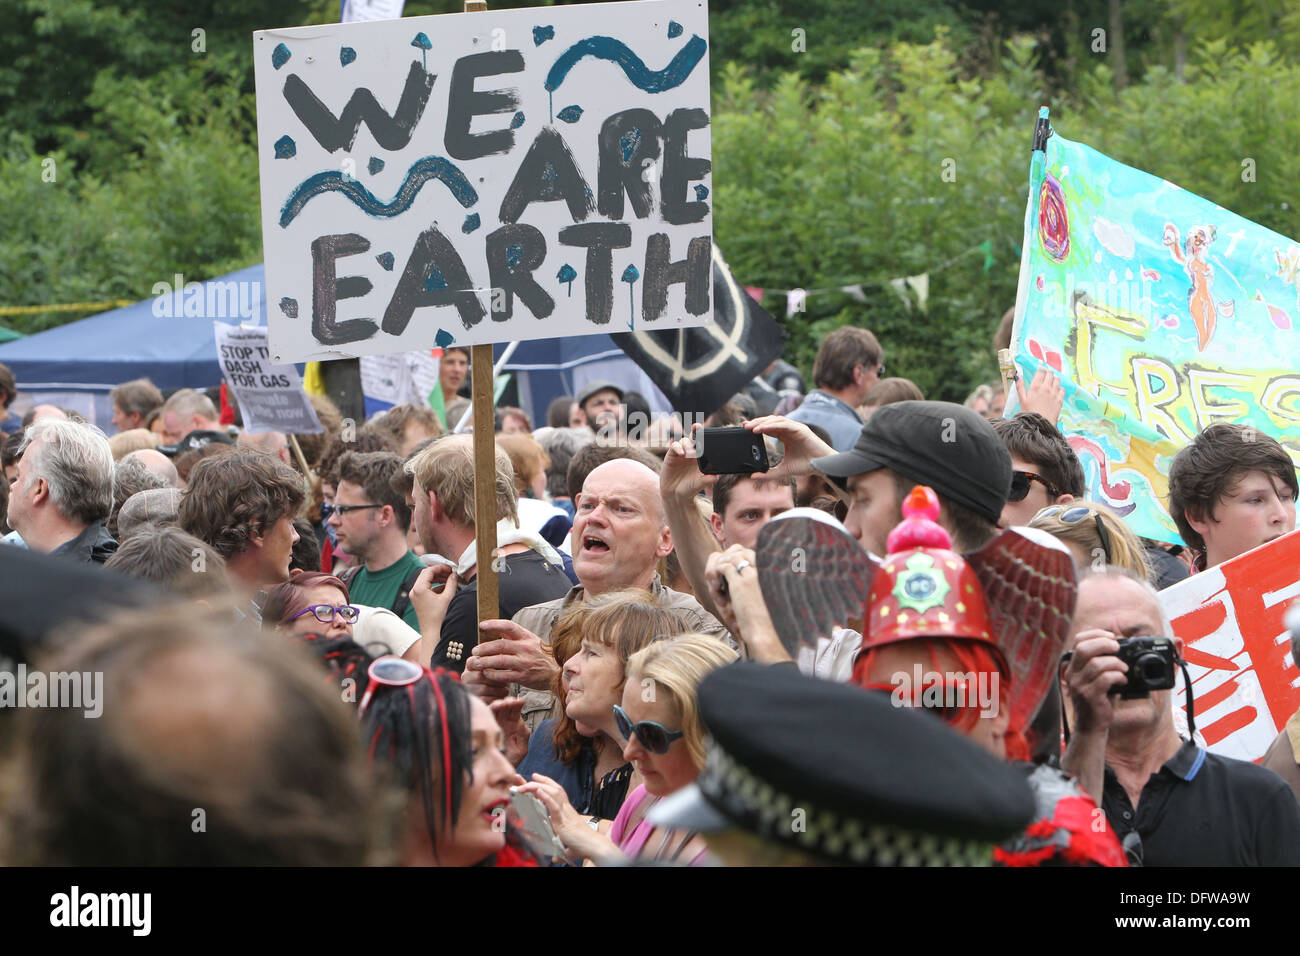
(1151,667)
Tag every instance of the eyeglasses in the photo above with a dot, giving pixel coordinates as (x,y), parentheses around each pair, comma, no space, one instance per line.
(655,738)
(1020,485)
(325,613)
(341,510)
(1067,515)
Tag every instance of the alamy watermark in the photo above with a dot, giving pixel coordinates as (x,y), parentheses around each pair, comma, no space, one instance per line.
(211,300)
(938,690)
(20,687)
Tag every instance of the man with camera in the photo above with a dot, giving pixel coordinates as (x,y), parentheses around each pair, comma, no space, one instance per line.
(1170,802)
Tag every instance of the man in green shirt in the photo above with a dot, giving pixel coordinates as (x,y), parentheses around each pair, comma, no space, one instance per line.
(371,520)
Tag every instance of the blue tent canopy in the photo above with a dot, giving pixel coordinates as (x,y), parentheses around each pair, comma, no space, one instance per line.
(79,363)
(144,340)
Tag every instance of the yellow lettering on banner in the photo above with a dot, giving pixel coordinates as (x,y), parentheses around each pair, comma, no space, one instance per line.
(1208,412)
(1089,313)
(1278,402)
(1150,403)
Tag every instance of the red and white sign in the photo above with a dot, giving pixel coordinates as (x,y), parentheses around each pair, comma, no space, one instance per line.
(1238,649)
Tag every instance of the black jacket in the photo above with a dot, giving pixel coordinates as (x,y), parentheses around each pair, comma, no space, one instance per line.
(94,544)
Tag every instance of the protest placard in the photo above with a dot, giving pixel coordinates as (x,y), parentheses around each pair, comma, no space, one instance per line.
(1244,683)
(1162,313)
(270,396)
(388,380)
(487,177)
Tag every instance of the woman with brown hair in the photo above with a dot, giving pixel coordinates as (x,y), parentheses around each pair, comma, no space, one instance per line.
(582,749)
(664,740)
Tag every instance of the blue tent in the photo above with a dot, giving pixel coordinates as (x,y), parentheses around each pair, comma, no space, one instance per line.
(168,339)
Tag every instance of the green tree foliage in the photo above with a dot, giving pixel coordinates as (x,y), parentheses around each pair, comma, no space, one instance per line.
(819,187)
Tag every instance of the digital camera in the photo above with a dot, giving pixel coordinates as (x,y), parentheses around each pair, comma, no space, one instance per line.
(1151,662)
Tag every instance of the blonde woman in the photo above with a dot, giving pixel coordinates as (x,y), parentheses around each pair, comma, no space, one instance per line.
(664,740)
(1095,536)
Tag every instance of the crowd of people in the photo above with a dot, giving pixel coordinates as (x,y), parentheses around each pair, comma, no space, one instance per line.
(827,662)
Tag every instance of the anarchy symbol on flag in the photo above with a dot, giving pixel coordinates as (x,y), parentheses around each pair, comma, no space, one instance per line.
(728,340)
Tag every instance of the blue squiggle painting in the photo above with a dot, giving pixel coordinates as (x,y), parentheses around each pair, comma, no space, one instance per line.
(430,167)
(618,53)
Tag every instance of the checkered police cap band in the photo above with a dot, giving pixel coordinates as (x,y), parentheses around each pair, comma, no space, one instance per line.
(757,806)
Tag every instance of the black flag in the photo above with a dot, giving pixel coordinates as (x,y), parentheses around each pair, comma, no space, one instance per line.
(699,369)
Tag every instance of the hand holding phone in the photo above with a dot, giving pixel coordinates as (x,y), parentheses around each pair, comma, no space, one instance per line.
(731,451)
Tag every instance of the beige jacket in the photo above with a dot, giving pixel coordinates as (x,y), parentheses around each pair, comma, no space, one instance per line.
(539,705)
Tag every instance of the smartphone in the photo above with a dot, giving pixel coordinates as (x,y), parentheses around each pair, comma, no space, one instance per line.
(731,451)
(536,824)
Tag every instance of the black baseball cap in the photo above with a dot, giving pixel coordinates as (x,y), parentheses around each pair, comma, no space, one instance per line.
(877,784)
(194,441)
(948,447)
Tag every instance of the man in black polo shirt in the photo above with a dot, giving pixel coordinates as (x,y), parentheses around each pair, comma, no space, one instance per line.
(1170,802)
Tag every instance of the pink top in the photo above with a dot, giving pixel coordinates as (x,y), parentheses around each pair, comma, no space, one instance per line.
(633,843)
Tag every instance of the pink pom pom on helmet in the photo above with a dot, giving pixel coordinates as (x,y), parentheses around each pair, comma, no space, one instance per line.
(919,527)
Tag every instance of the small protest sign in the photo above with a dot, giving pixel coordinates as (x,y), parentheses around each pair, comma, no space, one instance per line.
(270,396)
(485,177)
(1244,683)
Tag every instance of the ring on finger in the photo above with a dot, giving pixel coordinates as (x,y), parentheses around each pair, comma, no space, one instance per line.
(742,565)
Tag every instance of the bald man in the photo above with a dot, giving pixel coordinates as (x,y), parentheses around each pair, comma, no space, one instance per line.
(274,444)
(619,535)
(158,463)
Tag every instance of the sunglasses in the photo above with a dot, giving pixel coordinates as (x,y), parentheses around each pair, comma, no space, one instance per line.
(1067,515)
(325,613)
(341,510)
(1020,481)
(655,738)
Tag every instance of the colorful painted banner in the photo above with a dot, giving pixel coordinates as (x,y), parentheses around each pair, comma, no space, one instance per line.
(485,177)
(1244,683)
(1162,313)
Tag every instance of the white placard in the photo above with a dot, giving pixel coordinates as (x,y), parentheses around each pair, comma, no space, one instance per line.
(270,396)
(485,177)
(399,379)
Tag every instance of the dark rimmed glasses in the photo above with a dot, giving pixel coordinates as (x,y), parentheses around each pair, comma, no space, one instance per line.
(1020,482)
(341,510)
(1073,515)
(655,738)
(325,613)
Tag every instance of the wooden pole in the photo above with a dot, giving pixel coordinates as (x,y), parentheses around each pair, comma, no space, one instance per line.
(485,481)
(485,459)
(1007,368)
(302,460)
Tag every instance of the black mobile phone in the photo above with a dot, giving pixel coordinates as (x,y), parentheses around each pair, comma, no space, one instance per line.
(731,451)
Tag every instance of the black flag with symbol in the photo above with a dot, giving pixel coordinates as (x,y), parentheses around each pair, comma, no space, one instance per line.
(699,369)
